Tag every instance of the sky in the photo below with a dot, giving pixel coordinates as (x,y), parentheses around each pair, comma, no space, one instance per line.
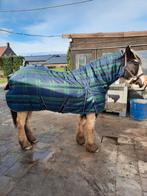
(91,17)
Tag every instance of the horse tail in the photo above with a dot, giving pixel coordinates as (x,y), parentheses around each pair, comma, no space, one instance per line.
(14,117)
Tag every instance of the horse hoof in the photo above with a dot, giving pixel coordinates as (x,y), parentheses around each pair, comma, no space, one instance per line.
(34,141)
(25,145)
(91,148)
(80,140)
(28,147)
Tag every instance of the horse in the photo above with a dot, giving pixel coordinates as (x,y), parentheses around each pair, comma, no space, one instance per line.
(81,91)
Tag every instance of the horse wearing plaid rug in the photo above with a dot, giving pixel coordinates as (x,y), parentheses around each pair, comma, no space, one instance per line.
(82,91)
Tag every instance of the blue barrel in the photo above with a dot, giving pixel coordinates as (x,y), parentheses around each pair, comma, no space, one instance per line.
(138,109)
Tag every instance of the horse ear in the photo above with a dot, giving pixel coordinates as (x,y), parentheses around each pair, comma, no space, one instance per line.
(130,54)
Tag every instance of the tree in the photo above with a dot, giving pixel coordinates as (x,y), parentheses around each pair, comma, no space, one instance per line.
(68,58)
(1,65)
(10,64)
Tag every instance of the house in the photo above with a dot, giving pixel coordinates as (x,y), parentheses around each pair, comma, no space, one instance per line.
(6,51)
(86,47)
(52,61)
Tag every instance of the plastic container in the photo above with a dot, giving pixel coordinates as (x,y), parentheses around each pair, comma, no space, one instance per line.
(138,109)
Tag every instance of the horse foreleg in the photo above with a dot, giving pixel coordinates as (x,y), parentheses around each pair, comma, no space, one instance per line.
(21,121)
(80,138)
(28,130)
(89,128)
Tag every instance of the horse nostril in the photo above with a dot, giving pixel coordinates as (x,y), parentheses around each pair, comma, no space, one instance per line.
(140,83)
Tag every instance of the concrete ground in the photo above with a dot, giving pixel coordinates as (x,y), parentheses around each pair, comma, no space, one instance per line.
(57,166)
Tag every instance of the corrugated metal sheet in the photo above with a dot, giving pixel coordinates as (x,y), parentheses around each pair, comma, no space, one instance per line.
(47,59)
(57,59)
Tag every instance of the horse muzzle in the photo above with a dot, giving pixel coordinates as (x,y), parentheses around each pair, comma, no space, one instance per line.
(138,81)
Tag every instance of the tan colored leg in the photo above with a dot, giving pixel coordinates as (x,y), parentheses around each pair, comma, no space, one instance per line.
(21,120)
(80,138)
(28,130)
(89,128)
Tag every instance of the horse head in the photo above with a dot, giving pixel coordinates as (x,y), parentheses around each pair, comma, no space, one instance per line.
(133,72)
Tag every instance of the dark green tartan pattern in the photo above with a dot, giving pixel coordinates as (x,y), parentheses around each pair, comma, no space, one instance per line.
(34,88)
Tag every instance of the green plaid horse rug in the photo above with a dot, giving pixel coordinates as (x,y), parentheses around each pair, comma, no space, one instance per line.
(34,88)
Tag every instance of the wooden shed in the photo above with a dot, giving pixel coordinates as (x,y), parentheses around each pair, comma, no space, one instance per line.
(86,47)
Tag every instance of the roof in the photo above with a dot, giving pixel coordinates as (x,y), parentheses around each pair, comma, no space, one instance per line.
(47,59)
(2,50)
(7,50)
(112,34)
(37,58)
(57,59)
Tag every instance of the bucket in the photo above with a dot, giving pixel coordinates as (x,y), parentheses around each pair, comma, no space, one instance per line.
(138,109)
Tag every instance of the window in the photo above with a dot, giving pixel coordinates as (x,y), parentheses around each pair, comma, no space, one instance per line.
(83,59)
(143,55)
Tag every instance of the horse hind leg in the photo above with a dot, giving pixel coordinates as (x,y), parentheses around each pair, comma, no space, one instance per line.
(28,130)
(80,138)
(22,138)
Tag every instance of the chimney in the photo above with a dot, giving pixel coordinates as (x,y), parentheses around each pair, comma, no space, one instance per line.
(8,45)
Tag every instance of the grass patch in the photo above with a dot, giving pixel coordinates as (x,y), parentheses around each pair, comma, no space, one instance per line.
(3,80)
(60,69)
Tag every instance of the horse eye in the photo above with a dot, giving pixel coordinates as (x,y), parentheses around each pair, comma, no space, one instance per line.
(135,62)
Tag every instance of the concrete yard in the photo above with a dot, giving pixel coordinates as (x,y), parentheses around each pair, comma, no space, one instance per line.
(57,166)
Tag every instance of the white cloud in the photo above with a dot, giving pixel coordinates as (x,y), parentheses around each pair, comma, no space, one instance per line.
(114,15)
(48,46)
(40,28)
(4,36)
(97,16)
